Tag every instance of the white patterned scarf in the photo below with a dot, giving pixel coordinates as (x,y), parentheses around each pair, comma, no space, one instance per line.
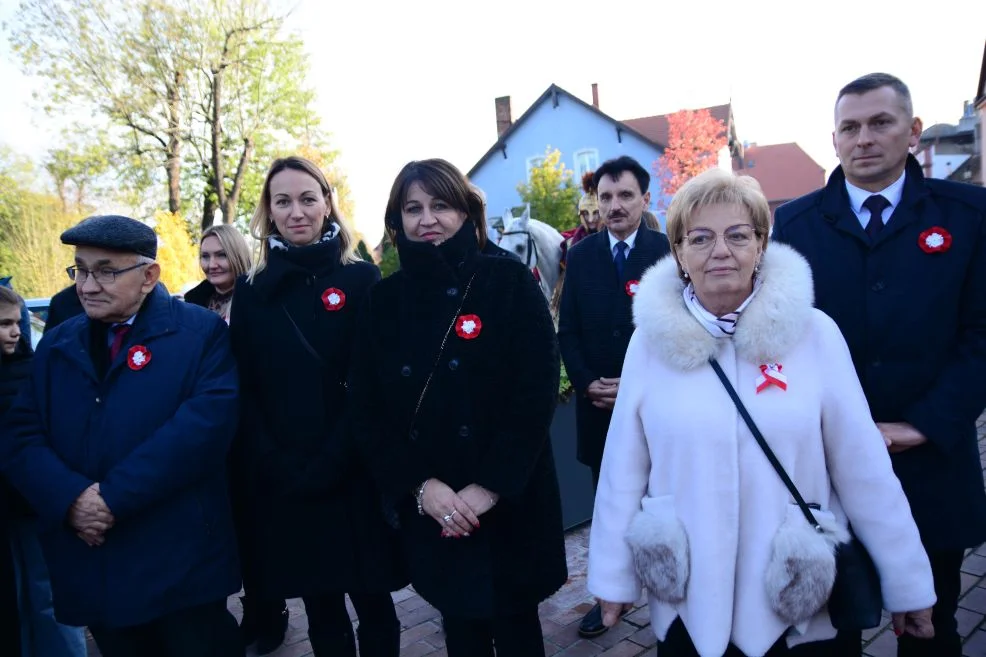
(719,327)
(277,242)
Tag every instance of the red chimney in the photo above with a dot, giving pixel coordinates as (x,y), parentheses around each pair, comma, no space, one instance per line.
(595,95)
(503,119)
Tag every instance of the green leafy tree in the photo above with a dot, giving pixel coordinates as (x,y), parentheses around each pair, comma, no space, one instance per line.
(551,192)
(389,260)
(31,222)
(198,97)
(76,170)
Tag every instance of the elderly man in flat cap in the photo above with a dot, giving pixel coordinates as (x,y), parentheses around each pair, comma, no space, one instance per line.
(120,447)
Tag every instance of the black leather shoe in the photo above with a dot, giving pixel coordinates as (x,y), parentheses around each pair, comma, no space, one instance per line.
(592,623)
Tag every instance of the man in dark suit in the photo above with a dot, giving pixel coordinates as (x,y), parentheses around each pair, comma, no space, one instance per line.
(596,319)
(899,263)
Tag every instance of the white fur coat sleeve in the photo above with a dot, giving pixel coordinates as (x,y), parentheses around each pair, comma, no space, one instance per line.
(622,484)
(863,478)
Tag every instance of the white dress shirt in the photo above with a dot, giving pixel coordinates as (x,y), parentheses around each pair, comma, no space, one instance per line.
(858,196)
(613,241)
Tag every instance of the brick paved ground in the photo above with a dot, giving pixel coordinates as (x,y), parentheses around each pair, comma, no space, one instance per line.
(633,637)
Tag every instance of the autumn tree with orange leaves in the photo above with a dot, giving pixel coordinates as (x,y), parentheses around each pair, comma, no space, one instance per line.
(695,138)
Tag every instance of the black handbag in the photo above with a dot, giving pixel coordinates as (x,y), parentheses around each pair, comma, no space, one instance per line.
(856,602)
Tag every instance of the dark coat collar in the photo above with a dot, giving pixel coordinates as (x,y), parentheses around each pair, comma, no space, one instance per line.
(838,212)
(451,261)
(156,317)
(283,266)
(200,294)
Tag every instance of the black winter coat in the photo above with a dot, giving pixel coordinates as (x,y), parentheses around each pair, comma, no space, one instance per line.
(64,305)
(200,294)
(311,518)
(595,322)
(484,420)
(915,324)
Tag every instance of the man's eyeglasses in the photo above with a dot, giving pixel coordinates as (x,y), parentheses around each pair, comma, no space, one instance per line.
(736,237)
(104,276)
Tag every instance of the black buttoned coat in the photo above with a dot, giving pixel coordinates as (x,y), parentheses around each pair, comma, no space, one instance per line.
(595,322)
(484,419)
(310,520)
(915,323)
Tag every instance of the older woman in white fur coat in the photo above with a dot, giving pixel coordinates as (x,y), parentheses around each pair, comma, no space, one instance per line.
(683,477)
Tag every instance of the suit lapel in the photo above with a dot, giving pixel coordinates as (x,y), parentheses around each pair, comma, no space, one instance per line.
(908,210)
(838,212)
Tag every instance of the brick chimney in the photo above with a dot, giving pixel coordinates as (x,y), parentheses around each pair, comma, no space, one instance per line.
(503,118)
(595,95)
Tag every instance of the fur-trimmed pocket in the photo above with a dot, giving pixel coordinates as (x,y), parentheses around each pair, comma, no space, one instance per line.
(801,570)
(659,545)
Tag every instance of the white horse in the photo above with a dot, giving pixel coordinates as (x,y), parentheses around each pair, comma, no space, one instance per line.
(537,244)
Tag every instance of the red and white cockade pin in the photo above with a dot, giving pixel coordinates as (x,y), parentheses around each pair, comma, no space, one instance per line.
(468,327)
(138,357)
(334,299)
(770,375)
(935,240)
(632,287)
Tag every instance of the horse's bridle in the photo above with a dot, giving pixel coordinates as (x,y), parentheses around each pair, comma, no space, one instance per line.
(532,247)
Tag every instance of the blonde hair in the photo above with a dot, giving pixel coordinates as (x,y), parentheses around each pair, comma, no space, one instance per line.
(235,246)
(716,187)
(262,226)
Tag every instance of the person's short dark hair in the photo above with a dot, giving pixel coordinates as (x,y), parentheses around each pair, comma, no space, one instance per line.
(440,179)
(614,169)
(874,81)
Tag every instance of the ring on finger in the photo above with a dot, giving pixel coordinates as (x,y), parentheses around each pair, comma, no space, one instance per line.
(447,518)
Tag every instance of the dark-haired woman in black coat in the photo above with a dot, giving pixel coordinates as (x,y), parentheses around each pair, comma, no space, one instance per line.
(314,525)
(454,384)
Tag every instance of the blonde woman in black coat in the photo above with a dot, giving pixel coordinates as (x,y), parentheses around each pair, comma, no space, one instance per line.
(454,384)
(224,257)
(314,526)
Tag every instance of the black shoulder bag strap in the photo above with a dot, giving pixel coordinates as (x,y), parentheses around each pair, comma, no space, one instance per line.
(769,453)
(301,336)
(441,350)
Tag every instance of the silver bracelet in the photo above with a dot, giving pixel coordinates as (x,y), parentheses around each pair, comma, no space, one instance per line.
(419,495)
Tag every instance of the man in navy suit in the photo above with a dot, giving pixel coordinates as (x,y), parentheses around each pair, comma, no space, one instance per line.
(596,319)
(899,262)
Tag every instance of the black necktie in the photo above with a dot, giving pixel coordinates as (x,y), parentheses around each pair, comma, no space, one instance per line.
(620,259)
(876,204)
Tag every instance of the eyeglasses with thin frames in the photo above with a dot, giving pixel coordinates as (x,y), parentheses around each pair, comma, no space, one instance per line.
(104,276)
(736,237)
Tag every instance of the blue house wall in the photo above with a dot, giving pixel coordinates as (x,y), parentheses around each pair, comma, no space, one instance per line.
(570,127)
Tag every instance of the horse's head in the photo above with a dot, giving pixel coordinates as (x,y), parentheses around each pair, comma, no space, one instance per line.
(516,237)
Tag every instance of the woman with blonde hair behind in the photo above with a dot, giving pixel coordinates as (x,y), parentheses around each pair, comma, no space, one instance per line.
(689,504)
(313,524)
(224,256)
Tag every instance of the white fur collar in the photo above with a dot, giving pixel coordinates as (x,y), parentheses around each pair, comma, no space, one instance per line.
(771,325)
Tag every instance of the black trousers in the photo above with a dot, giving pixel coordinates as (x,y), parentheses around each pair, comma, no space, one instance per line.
(679,644)
(331,631)
(946,567)
(207,630)
(518,635)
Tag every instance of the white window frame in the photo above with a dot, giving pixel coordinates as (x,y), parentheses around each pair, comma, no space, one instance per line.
(532,162)
(593,153)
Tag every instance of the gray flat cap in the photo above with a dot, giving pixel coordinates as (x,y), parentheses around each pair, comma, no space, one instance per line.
(113,232)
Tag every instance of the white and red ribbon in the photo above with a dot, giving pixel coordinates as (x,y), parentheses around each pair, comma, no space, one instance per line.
(771,375)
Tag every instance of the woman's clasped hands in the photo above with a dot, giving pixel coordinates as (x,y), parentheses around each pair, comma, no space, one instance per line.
(457,513)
